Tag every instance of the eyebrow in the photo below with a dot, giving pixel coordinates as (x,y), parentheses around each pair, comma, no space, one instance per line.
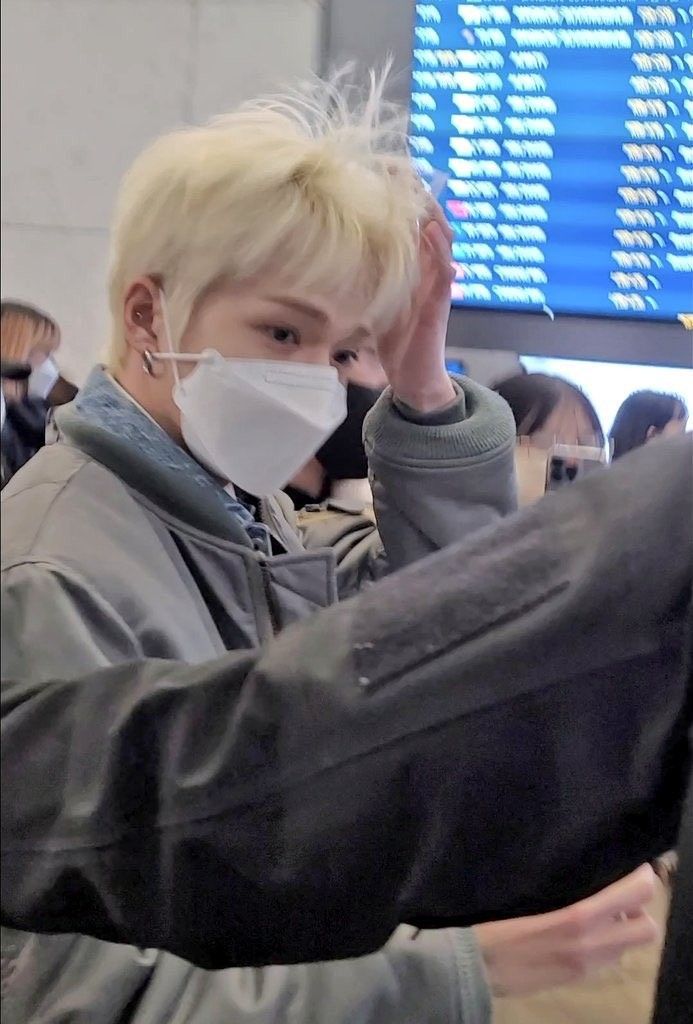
(300,307)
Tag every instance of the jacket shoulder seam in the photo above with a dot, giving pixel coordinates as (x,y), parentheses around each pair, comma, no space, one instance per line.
(62,488)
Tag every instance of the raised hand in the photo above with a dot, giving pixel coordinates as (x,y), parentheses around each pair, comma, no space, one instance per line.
(413,349)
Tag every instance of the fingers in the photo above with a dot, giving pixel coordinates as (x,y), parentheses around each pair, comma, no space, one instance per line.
(625,897)
(435,251)
(438,240)
(436,216)
(534,953)
(610,942)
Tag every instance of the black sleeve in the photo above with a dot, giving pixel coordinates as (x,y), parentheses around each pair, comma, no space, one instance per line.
(23,433)
(498,730)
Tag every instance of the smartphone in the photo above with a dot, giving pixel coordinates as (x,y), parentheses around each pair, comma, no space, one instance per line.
(567,463)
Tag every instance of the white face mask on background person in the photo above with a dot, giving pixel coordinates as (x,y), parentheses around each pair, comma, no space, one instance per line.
(43,378)
(254,422)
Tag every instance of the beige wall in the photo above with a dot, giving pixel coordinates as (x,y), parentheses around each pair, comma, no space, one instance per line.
(85,84)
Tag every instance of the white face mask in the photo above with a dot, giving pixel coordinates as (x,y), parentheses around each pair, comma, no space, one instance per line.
(43,378)
(255,422)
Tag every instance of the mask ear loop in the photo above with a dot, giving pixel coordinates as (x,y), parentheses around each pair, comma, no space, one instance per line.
(167,330)
(149,358)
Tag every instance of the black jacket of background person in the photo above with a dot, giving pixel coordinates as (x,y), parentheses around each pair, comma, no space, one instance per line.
(23,433)
(520,705)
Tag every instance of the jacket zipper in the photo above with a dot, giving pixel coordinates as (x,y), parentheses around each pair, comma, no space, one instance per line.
(269,598)
(264,518)
(262,513)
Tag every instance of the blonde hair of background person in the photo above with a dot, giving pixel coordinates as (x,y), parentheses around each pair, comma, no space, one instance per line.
(27,335)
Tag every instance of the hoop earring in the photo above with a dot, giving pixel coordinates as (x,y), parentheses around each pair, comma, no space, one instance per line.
(148,363)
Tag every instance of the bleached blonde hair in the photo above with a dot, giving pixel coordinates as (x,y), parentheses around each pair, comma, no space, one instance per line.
(316,185)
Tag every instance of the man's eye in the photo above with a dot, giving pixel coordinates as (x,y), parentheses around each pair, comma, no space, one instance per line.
(346,357)
(283,335)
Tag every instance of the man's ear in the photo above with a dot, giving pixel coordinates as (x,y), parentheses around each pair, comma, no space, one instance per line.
(650,433)
(142,315)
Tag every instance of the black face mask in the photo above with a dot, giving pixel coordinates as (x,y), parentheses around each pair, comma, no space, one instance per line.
(343,456)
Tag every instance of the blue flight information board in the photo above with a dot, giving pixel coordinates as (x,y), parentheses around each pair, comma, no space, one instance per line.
(566,132)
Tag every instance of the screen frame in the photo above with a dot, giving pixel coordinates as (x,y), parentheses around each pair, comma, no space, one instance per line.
(367,31)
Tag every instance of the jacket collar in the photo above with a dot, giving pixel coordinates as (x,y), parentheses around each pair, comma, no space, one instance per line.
(175,494)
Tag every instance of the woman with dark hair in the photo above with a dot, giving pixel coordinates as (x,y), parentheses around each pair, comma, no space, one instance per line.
(547,411)
(550,410)
(644,415)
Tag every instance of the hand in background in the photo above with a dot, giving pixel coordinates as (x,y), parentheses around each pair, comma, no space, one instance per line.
(413,349)
(529,954)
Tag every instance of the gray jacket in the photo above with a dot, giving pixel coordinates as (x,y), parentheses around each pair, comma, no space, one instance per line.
(108,559)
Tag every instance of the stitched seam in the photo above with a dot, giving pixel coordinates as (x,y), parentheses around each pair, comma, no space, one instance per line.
(487,627)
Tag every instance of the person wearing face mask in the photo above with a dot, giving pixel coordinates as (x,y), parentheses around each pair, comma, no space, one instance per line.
(224,380)
(339,470)
(28,337)
(547,411)
(230,767)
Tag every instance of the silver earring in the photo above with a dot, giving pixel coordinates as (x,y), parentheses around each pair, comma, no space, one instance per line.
(148,363)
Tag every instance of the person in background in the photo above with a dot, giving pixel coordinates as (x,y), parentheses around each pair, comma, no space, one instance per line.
(31,338)
(339,469)
(547,411)
(10,373)
(643,416)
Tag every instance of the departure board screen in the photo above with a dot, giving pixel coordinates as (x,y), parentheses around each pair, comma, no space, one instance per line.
(566,134)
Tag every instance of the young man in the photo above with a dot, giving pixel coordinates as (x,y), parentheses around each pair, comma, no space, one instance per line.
(300,796)
(252,264)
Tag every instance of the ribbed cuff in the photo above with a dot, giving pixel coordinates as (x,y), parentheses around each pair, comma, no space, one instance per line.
(454,412)
(486,425)
(475,995)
